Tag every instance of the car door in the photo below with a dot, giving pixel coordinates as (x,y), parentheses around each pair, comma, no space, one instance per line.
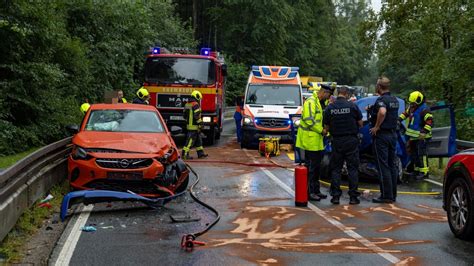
(443,142)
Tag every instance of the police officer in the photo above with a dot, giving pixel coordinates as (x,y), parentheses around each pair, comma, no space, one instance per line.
(143,96)
(420,121)
(342,119)
(310,139)
(384,115)
(192,115)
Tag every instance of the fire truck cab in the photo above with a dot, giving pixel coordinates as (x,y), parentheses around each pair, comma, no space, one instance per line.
(273,93)
(171,77)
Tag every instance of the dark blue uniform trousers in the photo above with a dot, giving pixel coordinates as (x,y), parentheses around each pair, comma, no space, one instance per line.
(345,148)
(385,144)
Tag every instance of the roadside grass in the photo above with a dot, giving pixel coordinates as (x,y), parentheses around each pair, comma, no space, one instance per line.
(9,160)
(12,247)
(437,170)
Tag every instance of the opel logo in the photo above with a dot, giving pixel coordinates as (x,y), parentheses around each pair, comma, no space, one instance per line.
(124,163)
(272,122)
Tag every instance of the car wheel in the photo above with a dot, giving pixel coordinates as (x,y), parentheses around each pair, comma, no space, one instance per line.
(460,209)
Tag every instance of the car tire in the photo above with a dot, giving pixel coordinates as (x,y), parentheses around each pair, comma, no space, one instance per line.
(459,205)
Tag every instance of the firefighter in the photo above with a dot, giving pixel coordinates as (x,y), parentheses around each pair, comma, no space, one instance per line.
(342,119)
(84,108)
(383,120)
(238,117)
(192,115)
(143,96)
(310,139)
(120,97)
(420,121)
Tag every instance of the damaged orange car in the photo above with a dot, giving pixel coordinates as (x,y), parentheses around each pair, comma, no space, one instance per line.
(126,147)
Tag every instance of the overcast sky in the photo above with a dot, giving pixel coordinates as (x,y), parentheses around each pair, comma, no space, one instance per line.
(376,5)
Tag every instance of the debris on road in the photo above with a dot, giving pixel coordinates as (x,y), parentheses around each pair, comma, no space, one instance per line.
(88,229)
(48,198)
(45,205)
(183,219)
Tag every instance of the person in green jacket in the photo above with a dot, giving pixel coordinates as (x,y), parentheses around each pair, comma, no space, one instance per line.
(310,138)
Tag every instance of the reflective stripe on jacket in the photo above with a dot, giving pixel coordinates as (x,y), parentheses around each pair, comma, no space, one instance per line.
(416,122)
(192,114)
(311,125)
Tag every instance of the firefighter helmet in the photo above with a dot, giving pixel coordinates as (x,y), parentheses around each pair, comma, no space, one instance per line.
(142,93)
(196,95)
(85,107)
(415,97)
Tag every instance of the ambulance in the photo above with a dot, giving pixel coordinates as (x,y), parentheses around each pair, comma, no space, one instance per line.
(273,93)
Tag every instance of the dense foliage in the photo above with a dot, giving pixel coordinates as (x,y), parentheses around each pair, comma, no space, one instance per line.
(56,54)
(429,46)
(319,36)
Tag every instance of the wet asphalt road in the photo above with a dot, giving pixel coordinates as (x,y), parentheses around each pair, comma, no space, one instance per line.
(260,224)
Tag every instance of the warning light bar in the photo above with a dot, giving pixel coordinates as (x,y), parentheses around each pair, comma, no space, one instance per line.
(156,50)
(206,51)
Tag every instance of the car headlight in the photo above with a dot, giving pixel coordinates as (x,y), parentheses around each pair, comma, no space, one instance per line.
(206,119)
(79,153)
(248,121)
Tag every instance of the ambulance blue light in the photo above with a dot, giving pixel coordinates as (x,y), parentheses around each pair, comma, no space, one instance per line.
(206,51)
(156,50)
(256,121)
(289,122)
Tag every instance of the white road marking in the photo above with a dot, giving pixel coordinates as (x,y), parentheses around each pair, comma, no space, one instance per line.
(71,241)
(434,182)
(376,249)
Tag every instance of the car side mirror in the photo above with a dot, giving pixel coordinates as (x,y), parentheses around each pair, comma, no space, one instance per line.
(175,130)
(224,70)
(73,129)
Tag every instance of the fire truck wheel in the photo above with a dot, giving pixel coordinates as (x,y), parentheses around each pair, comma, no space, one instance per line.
(211,137)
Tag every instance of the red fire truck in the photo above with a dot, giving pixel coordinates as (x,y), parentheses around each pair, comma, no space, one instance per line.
(170,78)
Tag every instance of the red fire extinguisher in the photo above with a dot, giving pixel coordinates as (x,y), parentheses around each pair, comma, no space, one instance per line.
(301,186)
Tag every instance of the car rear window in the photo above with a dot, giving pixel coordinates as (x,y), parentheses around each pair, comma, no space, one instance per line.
(112,120)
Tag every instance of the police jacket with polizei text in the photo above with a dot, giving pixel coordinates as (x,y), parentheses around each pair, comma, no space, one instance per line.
(192,115)
(342,117)
(391,104)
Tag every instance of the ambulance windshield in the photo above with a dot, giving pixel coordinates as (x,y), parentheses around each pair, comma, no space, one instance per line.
(274,94)
(173,70)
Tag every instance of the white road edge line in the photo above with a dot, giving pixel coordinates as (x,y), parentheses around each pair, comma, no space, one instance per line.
(71,241)
(349,232)
(376,249)
(434,182)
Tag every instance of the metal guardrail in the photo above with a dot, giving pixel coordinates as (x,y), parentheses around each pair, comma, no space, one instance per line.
(29,179)
(464,144)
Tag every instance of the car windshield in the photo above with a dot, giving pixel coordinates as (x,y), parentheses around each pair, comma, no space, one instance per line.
(169,70)
(274,94)
(124,121)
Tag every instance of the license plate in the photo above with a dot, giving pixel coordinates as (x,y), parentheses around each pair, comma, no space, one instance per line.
(125,175)
(176,117)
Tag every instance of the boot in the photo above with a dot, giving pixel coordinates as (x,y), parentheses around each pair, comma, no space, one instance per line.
(354,200)
(335,200)
(314,197)
(201,154)
(185,156)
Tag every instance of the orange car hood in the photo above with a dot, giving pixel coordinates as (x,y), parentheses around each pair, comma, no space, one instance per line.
(156,143)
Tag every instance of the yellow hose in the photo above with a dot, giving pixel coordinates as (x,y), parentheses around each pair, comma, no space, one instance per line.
(369,189)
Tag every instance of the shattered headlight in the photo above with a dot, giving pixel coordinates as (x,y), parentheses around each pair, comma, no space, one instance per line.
(79,153)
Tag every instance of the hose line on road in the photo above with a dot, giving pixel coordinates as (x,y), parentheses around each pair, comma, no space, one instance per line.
(275,164)
(189,240)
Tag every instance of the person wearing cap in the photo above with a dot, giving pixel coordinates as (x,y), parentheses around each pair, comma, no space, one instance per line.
(310,139)
(420,121)
(342,119)
(383,122)
(142,96)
